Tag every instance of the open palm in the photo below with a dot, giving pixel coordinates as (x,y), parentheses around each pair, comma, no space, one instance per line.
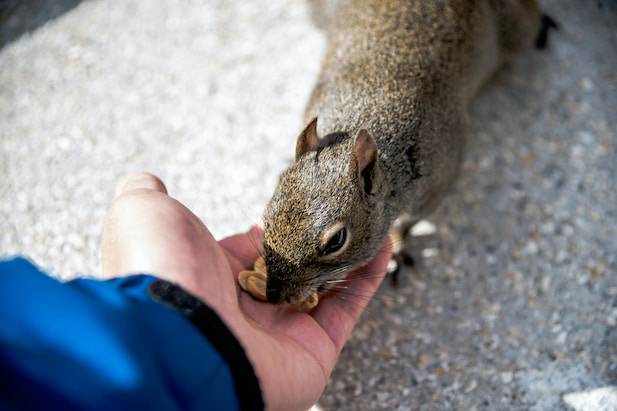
(293,352)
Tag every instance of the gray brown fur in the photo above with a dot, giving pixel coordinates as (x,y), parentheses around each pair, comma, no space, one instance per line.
(405,71)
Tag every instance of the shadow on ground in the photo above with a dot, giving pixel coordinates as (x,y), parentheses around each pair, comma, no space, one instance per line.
(18,17)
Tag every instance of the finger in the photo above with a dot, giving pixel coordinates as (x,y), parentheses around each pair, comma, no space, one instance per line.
(139,181)
(337,314)
(245,247)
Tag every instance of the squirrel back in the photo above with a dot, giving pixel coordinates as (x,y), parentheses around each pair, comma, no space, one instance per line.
(391,102)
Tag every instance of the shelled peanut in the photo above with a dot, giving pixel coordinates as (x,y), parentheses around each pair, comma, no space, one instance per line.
(254,282)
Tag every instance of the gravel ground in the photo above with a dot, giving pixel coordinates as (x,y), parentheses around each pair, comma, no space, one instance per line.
(514,303)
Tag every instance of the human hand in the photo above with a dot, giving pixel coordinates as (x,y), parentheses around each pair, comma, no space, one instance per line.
(293,352)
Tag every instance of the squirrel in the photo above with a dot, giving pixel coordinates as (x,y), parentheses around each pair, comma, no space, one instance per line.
(387,128)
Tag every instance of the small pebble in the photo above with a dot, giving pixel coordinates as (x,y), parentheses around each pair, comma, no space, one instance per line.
(423,228)
(506,377)
(599,399)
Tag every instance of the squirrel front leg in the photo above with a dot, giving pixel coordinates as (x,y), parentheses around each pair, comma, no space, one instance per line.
(398,236)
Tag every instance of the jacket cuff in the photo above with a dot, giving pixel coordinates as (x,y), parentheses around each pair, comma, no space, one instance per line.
(216,332)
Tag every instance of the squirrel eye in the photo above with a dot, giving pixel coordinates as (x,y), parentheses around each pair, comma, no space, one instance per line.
(336,242)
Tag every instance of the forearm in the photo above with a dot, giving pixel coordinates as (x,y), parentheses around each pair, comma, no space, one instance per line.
(130,343)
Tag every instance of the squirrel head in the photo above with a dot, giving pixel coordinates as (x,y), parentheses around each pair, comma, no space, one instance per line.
(326,215)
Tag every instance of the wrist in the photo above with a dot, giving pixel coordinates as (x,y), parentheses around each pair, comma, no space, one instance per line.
(220,336)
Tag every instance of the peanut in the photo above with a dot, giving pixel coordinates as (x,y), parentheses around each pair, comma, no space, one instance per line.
(312,301)
(260,265)
(254,282)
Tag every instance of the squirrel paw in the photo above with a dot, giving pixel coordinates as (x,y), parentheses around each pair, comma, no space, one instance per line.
(400,259)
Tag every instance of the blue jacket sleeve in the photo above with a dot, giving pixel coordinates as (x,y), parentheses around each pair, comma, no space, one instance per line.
(101,345)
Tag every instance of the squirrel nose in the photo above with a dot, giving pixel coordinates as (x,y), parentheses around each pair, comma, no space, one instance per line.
(273,292)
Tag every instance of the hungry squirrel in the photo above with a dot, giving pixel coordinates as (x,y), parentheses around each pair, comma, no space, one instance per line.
(390,105)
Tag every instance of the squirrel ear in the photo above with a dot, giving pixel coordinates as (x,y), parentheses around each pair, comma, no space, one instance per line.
(364,161)
(307,140)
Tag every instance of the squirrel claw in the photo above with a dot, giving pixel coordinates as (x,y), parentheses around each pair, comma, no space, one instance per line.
(547,23)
